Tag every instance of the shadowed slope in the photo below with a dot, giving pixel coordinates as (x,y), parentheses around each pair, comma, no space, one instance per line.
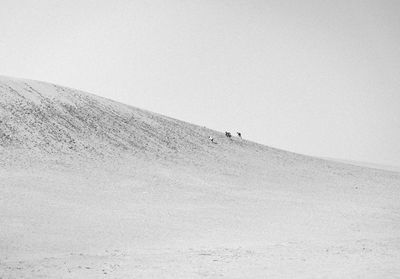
(51,118)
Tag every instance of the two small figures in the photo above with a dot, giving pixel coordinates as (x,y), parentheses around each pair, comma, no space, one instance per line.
(227,134)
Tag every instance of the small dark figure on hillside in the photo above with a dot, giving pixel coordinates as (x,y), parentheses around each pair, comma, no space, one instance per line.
(228,134)
(239,134)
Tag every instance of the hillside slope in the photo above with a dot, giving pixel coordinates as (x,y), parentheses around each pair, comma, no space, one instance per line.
(45,117)
(93,188)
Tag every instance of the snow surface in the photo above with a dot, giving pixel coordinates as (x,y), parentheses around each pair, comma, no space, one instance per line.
(91,188)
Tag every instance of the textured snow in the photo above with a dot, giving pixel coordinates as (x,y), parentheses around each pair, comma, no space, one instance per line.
(91,188)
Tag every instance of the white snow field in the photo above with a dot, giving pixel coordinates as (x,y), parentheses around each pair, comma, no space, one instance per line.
(91,188)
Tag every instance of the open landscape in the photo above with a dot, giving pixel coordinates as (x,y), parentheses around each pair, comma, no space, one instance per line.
(92,188)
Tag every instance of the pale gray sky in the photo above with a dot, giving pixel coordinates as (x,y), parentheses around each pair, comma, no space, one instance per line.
(314,77)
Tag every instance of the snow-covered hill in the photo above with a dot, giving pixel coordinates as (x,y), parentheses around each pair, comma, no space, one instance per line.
(91,188)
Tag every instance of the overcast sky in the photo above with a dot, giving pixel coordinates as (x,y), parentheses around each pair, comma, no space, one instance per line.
(314,77)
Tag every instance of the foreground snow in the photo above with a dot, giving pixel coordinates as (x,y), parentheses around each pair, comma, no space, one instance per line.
(166,203)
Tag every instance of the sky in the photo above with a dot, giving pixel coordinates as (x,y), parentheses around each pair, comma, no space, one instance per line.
(315,77)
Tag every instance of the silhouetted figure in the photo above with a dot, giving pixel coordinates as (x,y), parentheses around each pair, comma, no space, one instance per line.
(239,134)
(228,134)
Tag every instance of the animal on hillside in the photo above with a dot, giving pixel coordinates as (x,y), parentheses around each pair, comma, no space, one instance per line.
(239,134)
(228,134)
